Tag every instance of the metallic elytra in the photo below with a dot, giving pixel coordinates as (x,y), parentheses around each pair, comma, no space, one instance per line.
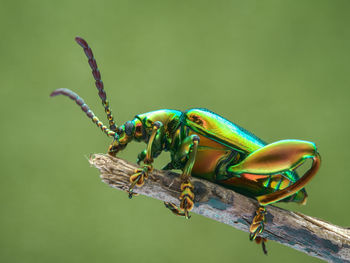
(203,144)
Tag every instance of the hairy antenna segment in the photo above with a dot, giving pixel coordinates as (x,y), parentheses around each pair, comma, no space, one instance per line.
(72,95)
(98,82)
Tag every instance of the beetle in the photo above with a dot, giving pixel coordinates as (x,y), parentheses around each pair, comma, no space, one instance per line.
(203,144)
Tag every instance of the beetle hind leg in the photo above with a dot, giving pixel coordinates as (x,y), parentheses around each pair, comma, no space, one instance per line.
(257,227)
(278,158)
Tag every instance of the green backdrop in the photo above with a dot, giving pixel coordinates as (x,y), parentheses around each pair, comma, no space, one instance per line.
(278,68)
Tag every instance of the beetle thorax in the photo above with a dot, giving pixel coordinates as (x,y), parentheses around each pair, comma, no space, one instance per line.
(170,120)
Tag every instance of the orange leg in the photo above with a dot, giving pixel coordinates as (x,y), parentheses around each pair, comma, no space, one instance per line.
(138,179)
(187,195)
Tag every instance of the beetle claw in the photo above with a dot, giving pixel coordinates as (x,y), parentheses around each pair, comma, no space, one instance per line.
(139,178)
(173,208)
(131,193)
(261,240)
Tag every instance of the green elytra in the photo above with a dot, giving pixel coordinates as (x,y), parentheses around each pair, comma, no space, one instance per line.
(203,144)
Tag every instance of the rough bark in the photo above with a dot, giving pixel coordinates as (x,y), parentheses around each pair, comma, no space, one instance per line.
(313,236)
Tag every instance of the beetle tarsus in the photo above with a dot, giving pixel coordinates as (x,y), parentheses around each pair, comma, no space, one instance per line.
(263,241)
(264,246)
(174,209)
(131,193)
(186,203)
(186,197)
(187,215)
(257,227)
(177,211)
(138,179)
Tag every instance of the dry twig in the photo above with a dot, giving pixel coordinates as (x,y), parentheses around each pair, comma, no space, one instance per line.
(313,236)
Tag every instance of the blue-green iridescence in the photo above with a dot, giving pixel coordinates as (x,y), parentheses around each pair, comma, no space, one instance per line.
(220,141)
(220,129)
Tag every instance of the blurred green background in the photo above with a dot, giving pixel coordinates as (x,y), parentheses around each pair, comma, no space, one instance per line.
(278,68)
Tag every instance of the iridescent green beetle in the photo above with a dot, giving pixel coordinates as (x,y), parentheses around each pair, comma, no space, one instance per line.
(204,144)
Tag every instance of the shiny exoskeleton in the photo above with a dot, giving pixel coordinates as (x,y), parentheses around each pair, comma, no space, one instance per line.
(206,145)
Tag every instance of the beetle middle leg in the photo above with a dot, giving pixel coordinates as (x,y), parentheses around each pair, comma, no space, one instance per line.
(138,179)
(188,149)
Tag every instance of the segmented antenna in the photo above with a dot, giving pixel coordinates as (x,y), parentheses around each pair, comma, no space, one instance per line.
(85,108)
(98,82)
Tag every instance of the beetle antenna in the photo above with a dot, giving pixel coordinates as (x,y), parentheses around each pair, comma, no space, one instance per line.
(98,82)
(72,95)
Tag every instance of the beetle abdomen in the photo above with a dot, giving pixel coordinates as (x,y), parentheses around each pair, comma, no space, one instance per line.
(209,155)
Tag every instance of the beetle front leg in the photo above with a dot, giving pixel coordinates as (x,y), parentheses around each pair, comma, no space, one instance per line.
(138,179)
(190,145)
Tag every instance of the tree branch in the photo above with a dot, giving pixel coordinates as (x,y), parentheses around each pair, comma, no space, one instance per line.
(313,236)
